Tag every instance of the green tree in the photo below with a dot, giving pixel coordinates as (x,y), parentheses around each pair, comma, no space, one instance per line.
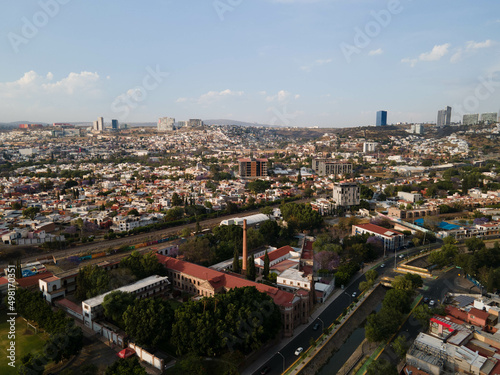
(474,244)
(266,265)
(149,321)
(251,270)
(270,230)
(31,212)
(143,265)
(423,313)
(397,300)
(236,261)
(197,250)
(32,364)
(115,304)
(381,367)
(400,347)
(133,212)
(371,275)
(176,200)
(127,366)
(91,281)
(243,319)
(382,325)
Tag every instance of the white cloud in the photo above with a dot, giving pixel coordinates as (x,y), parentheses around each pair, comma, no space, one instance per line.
(297,96)
(469,49)
(472,45)
(181,100)
(31,84)
(281,96)
(436,54)
(216,95)
(315,64)
(376,52)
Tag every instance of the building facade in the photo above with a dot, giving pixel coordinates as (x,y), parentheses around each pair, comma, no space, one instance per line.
(346,194)
(114,124)
(489,118)
(393,240)
(381,118)
(166,124)
(325,167)
(251,168)
(369,147)
(194,123)
(471,119)
(444,117)
(187,277)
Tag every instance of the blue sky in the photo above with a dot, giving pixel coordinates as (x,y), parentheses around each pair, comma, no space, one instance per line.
(327,63)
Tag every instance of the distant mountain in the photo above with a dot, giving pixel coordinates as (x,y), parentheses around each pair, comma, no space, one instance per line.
(232,122)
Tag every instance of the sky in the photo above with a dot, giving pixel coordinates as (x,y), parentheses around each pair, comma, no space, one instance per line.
(325,63)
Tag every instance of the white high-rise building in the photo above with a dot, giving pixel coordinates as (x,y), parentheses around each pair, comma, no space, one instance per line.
(166,124)
(100,124)
(346,194)
(369,147)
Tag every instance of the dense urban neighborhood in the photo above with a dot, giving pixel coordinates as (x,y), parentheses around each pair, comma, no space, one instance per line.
(218,249)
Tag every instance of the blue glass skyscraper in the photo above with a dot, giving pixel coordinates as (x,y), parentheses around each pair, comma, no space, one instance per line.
(381,118)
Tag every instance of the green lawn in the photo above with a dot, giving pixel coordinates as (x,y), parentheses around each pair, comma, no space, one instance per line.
(26,342)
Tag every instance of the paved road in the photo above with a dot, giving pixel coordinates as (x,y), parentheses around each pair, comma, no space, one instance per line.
(328,316)
(331,312)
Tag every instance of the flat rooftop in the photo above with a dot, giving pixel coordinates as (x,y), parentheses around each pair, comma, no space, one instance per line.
(131,288)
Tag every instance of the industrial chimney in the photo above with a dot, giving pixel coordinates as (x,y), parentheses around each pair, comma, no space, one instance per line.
(245,255)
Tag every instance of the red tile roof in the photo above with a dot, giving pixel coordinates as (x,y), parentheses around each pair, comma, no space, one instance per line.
(479,313)
(26,282)
(278,253)
(379,230)
(70,305)
(218,279)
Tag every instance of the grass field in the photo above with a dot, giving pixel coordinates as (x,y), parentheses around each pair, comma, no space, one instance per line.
(26,342)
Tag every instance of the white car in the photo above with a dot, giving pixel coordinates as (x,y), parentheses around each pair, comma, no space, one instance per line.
(432,303)
(354,294)
(382,265)
(299,351)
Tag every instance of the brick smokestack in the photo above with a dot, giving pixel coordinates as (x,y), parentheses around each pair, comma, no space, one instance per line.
(245,252)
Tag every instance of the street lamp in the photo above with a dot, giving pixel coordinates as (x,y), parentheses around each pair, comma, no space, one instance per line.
(283,360)
(350,297)
(322,324)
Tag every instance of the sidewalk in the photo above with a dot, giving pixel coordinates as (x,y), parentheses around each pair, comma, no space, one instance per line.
(318,311)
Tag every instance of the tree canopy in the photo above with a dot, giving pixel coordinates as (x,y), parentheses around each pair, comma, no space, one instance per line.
(243,319)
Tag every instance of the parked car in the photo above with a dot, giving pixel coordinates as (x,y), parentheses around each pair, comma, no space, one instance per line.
(382,265)
(299,351)
(316,326)
(432,303)
(354,294)
(426,300)
(265,370)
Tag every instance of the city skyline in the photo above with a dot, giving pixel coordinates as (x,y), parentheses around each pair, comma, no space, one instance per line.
(291,63)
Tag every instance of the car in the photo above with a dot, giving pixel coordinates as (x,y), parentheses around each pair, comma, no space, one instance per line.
(265,370)
(316,326)
(382,265)
(401,256)
(299,351)
(426,300)
(432,303)
(354,294)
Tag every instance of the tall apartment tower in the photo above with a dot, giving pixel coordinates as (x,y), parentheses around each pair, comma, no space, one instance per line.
(444,117)
(381,118)
(251,168)
(194,123)
(100,124)
(346,194)
(166,124)
(114,124)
